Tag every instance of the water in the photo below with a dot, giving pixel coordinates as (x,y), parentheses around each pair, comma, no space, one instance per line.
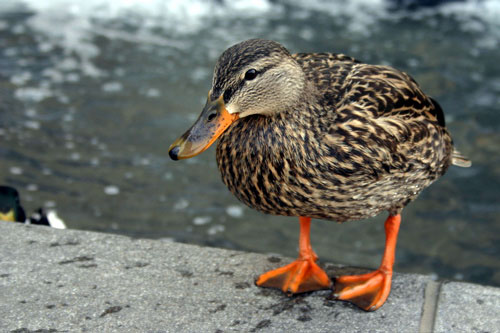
(92,94)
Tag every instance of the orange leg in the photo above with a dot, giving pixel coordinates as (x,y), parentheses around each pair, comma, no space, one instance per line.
(369,291)
(301,275)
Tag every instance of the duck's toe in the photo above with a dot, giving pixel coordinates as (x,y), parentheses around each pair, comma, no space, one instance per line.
(300,276)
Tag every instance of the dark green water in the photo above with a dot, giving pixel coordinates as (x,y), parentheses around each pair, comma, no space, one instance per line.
(92,95)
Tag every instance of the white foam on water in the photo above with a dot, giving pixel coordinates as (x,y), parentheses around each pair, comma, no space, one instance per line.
(112,86)
(78,22)
(31,113)
(356,15)
(480,17)
(20,78)
(152,93)
(202,220)
(234,211)
(94,161)
(181,204)
(169,23)
(33,94)
(32,124)
(32,187)
(72,77)
(112,190)
(53,74)
(216,229)
(75,156)
(15,170)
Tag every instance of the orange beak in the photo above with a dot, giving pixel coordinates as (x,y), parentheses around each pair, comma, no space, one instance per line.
(212,122)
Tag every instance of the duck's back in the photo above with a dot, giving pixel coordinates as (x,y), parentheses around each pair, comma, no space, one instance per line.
(368,140)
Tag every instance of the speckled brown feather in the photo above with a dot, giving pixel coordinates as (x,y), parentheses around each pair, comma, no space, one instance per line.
(362,139)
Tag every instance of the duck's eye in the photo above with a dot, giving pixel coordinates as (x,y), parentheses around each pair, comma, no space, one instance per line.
(250,74)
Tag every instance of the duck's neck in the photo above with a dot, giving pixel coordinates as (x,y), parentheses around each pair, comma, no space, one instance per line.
(277,135)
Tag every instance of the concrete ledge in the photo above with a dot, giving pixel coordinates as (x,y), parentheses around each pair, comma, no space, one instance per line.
(69,280)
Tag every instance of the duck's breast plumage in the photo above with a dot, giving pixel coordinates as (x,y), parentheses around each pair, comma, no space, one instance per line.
(364,139)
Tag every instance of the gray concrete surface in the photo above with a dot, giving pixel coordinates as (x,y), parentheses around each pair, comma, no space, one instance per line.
(77,281)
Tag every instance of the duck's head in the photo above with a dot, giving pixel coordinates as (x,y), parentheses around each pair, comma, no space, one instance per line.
(10,206)
(254,77)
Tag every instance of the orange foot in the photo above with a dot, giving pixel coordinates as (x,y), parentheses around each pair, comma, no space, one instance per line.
(301,275)
(368,291)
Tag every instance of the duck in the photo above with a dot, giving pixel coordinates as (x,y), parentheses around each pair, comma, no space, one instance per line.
(12,211)
(10,205)
(321,136)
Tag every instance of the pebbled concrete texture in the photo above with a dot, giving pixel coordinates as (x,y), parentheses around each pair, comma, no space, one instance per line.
(69,280)
(465,307)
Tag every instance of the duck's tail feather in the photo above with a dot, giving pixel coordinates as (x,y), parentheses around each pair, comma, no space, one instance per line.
(460,160)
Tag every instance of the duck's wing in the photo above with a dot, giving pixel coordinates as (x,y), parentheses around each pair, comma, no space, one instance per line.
(373,103)
(385,94)
(384,91)
(327,72)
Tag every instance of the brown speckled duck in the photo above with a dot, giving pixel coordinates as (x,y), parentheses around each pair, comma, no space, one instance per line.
(321,135)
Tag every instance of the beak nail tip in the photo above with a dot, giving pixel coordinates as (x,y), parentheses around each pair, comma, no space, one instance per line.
(174,153)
